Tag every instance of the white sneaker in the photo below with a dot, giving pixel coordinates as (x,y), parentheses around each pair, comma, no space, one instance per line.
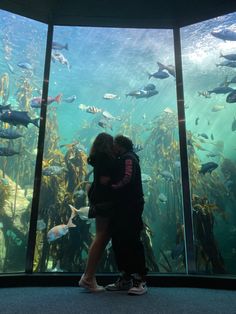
(90,285)
(120,284)
(139,288)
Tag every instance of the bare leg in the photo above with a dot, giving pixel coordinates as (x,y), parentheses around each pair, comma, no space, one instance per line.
(97,247)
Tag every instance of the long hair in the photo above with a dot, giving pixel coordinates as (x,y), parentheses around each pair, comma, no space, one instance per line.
(103,143)
(124,142)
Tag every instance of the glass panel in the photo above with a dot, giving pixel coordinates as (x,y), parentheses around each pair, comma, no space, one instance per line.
(105,79)
(209,61)
(21,72)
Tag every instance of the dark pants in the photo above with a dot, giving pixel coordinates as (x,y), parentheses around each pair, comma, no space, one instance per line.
(126,227)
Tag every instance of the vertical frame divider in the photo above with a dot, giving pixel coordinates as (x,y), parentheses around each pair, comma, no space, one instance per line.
(188,222)
(39,157)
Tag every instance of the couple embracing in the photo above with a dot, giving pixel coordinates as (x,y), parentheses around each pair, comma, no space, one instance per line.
(116,203)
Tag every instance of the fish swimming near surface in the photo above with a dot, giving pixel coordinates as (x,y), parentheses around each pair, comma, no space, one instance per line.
(70,99)
(58,46)
(233,127)
(25,66)
(60,230)
(18,118)
(208,167)
(110,96)
(231,56)
(36,101)
(10,134)
(225,34)
(7,152)
(169,68)
(53,171)
(158,75)
(216,108)
(221,90)
(231,97)
(228,63)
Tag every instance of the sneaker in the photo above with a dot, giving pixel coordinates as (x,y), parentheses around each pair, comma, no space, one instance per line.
(90,285)
(120,284)
(139,287)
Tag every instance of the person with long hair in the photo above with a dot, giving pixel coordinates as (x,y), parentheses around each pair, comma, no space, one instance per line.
(102,159)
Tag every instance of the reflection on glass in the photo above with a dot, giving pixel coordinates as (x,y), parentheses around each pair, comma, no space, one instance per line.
(21,69)
(117,81)
(209,61)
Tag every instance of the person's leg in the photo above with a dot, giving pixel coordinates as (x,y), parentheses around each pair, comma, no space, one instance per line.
(96,250)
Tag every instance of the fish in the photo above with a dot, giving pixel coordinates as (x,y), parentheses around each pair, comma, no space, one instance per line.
(168,110)
(204,135)
(212,137)
(10,67)
(82,212)
(70,99)
(216,108)
(93,110)
(208,167)
(137,148)
(25,66)
(58,46)
(5,107)
(36,101)
(228,63)
(221,90)
(159,75)
(53,171)
(196,121)
(9,134)
(60,230)
(205,94)
(15,117)
(224,34)
(110,96)
(168,176)
(231,97)
(41,225)
(231,56)
(162,198)
(6,151)
(58,56)
(103,123)
(109,116)
(169,68)
(212,155)
(145,178)
(233,127)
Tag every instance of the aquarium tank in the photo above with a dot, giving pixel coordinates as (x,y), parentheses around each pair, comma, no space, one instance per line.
(119,81)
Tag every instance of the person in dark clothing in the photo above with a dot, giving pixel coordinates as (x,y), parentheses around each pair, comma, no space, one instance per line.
(126,223)
(102,159)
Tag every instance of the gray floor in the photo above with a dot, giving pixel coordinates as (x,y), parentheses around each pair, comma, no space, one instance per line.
(70,300)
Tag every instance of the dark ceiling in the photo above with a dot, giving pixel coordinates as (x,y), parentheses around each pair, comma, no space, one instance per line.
(123,13)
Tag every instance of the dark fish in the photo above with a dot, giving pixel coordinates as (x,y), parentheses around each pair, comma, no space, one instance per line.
(204,135)
(234,125)
(103,123)
(18,118)
(25,66)
(231,98)
(231,56)
(147,91)
(221,90)
(53,171)
(169,68)
(196,121)
(230,64)
(36,101)
(149,87)
(6,151)
(58,46)
(5,107)
(212,137)
(9,134)
(208,167)
(224,34)
(159,75)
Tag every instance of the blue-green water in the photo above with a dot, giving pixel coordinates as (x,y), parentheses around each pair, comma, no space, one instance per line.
(117,61)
